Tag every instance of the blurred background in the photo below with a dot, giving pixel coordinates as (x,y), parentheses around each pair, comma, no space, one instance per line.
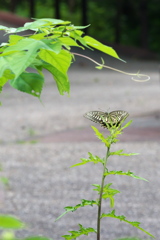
(131,27)
(41,182)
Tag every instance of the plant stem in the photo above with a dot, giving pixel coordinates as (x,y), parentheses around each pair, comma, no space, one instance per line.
(100,195)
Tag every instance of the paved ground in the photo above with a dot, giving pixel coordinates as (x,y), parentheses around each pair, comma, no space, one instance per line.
(41,182)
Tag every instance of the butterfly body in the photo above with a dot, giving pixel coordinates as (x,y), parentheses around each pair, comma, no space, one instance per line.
(106,119)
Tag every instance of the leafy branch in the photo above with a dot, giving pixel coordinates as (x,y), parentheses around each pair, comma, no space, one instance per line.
(105,191)
(81,231)
(123,218)
(47,47)
(74,208)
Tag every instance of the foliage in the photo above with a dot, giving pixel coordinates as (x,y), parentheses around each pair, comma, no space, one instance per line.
(106,13)
(104,190)
(47,48)
(10,222)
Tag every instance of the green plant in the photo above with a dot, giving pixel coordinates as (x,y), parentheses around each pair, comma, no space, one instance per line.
(104,190)
(49,48)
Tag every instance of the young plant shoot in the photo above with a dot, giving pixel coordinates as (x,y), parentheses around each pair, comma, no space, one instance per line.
(113,122)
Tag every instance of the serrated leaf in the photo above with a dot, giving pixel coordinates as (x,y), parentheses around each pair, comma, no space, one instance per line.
(129,173)
(10,222)
(100,136)
(81,231)
(30,83)
(109,192)
(120,153)
(98,188)
(92,158)
(123,218)
(83,203)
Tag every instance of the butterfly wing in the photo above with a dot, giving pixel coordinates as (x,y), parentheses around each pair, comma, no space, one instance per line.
(107,119)
(98,117)
(116,117)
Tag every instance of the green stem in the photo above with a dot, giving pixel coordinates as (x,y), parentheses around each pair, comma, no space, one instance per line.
(100,195)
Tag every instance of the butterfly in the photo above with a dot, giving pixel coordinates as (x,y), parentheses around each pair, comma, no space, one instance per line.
(106,119)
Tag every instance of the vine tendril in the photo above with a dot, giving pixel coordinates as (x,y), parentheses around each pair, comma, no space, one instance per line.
(147,78)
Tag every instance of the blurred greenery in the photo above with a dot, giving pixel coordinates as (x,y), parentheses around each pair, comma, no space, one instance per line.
(127,17)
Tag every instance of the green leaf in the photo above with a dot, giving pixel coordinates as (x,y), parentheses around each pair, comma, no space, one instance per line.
(19,56)
(123,218)
(10,222)
(101,47)
(58,66)
(41,24)
(61,78)
(32,45)
(13,39)
(78,27)
(98,188)
(101,137)
(19,61)
(107,192)
(67,41)
(129,173)
(74,208)
(120,153)
(127,124)
(77,36)
(81,231)
(60,61)
(4,66)
(92,158)
(7,74)
(38,36)
(31,83)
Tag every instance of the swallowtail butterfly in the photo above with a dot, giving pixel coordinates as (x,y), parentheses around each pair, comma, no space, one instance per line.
(106,119)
